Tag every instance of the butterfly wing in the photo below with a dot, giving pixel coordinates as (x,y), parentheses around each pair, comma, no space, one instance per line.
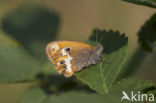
(68,62)
(52,51)
(82,57)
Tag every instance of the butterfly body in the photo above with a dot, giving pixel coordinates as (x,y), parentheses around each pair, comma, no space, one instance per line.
(71,56)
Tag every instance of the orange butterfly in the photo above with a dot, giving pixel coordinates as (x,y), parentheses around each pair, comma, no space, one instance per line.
(71,56)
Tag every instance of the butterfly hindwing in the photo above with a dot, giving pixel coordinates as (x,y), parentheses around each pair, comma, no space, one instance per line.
(71,56)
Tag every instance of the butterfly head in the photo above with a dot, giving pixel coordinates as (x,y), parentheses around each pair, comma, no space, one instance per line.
(99,50)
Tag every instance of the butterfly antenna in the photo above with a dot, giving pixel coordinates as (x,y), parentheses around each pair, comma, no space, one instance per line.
(97,42)
(102,37)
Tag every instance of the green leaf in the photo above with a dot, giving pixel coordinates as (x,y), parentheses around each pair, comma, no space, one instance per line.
(15,63)
(101,77)
(33,95)
(37,95)
(133,84)
(33,26)
(82,97)
(134,63)
(127,85)
(149,3)
(147,34)
(136,85)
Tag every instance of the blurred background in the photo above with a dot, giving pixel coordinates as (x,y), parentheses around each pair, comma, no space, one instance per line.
(75,20)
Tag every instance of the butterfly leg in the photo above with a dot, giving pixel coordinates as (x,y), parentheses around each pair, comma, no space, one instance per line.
(104,60)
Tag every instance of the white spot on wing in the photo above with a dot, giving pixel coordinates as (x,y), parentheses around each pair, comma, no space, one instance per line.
(54,46)
(67,61)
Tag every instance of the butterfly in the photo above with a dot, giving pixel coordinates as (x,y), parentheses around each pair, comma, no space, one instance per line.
(69,57)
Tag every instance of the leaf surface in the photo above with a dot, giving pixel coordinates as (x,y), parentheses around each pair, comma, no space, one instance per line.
(101,76)
(15,63)
(147,34)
